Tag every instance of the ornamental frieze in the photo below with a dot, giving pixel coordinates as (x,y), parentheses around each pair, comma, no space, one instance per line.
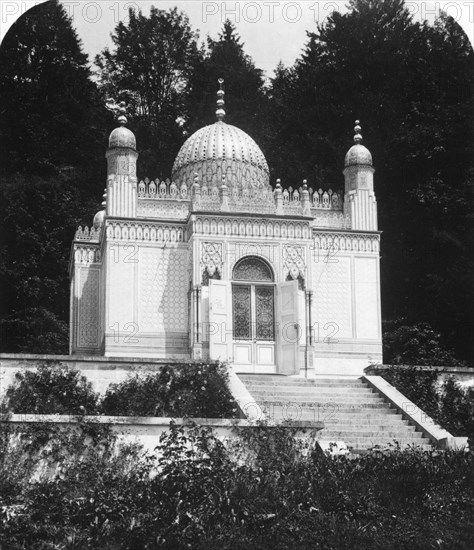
(253,228)
(350,242)
(145,232)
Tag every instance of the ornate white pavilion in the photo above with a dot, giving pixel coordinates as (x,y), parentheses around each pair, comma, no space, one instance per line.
(216,264)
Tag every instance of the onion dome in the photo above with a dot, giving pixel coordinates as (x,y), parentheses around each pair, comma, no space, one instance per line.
(121,136)
(221,150)
(99,219)
(100,216)
(358,154)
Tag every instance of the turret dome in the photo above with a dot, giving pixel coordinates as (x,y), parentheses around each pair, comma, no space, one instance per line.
(122,137)
(99,219)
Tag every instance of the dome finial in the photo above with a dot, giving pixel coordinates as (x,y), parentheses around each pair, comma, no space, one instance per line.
(357,129)
(220,112)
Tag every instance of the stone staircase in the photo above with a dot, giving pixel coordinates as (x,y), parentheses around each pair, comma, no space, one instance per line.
(350,410)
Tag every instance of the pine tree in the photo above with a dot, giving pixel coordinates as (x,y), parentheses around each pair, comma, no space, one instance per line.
(53,138)
(50,113)
(243,83)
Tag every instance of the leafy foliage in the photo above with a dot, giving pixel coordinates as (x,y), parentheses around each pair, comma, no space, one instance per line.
(51,389)
(184,390)
(192,493)
(418,344)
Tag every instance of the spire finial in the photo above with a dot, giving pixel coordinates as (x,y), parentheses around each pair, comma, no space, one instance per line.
(357,129)
(220,113)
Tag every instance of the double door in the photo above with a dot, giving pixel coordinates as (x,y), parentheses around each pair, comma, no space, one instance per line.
(253,319)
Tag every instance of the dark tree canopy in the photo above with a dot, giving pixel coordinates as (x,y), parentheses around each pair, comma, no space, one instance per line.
(150,68)
(50,113)
(243,83)
(53,135)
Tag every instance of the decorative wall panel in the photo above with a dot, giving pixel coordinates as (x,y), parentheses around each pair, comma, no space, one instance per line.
(88,314)
(163,290)
(366,298)
(294,261)
(332,311)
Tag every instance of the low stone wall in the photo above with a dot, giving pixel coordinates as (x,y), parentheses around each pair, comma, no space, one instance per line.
(147,430)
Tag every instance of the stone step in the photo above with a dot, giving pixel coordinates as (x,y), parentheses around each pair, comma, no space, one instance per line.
(328,413)
(363,449)
(282,383)
(277,390)
(291,396)
(369,420)
(367,442)
(379,435)
(316,401)
(380,427)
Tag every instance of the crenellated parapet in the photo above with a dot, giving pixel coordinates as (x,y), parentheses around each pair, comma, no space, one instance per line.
(164,190)
(86,234)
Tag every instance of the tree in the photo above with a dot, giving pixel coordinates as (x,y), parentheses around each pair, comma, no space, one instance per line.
(53,135)
(411,85)
(150,68)
(38,218)
(50,113)
(243,83)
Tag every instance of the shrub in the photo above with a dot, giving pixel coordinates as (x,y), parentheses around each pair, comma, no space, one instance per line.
(52,388)
(194,389)
(415,344)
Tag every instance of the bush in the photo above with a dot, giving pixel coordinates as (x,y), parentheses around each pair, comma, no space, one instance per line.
(415,344)
(184,390)
(51,389)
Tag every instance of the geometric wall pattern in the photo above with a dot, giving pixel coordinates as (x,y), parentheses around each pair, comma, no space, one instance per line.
(89,307)
(332,308)
(366,297)
(163,290)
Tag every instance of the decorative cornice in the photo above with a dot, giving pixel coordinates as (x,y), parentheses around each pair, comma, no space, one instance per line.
(249,227)
(350,242)
(161,232)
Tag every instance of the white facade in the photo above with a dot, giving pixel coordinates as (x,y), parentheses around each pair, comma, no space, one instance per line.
(219,265)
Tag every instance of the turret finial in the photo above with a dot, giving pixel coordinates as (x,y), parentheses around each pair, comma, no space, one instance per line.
(220,112)
(357,129)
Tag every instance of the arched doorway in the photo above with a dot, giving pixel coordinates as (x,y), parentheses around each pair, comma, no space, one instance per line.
(253,314)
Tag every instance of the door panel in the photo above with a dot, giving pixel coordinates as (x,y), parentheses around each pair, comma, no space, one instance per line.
(220,322)
(289,333)
(264,313)
(242,312)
